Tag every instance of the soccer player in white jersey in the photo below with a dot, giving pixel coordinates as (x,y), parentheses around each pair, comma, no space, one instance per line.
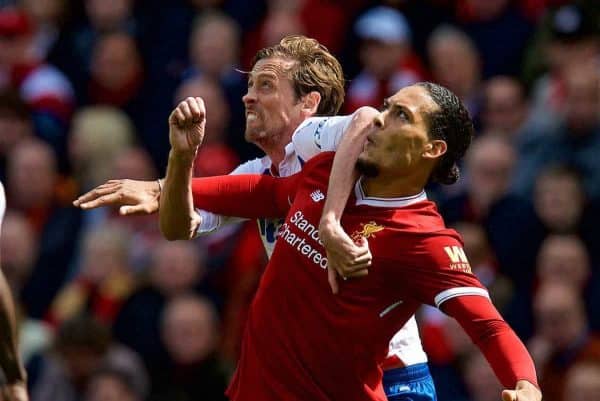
(294,90)
(10,362)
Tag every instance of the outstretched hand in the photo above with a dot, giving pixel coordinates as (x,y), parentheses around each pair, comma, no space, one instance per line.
(186,126)
(131,196)
(524,391)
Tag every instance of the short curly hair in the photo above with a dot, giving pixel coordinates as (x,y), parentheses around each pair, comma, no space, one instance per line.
(451,123)
(316,69)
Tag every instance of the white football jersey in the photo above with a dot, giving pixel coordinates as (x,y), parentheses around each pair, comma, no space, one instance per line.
(313,136)
(2,203)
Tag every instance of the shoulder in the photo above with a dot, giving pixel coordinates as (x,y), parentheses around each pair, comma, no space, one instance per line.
(255,166)
(320,165)
(319,134)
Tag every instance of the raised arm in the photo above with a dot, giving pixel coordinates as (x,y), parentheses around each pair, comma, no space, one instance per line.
(500,345)
(177,217)
(344,257)
(10,362)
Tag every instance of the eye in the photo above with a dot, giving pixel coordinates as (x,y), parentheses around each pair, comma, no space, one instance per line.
(403,115)
(266,84)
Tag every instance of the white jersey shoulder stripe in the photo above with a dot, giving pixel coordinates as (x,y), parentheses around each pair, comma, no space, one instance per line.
(457,292)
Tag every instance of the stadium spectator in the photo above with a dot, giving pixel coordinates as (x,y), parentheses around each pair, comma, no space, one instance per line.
(582,382)
(481,383)
(176,268)
(499,30)
(505,107)
(190,332)
(562,338)
(456,64)
(18,246)
(98,135)
(43,87)
(56,226)
(118,87)
(48,17)
(215,52)
(385,53)
(488,166)
(15,124)
(563,259)
(75,48)
(103,281)
(575,140)
(568,37)
(110,384)
(81,347)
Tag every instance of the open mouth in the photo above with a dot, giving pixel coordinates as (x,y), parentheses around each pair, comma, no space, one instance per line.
(251,116)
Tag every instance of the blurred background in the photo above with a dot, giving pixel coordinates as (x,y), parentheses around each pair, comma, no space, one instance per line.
(111,312)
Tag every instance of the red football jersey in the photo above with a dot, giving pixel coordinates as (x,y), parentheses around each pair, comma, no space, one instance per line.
(304,343)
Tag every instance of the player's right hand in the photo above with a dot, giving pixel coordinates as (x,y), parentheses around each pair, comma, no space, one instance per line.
(132,197)
(186,126)
(344,257)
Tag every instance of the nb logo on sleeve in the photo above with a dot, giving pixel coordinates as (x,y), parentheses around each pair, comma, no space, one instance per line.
(317,196)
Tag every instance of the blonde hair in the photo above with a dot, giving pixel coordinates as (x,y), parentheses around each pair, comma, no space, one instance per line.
(101,133)
(316,69)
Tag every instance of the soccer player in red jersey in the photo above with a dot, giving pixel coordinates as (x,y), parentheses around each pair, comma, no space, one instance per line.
(10,363)
(301,341)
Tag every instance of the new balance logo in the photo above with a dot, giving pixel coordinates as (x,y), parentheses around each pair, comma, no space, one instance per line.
(317,196)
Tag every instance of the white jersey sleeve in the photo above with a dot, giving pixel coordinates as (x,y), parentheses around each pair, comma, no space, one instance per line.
(2,203)
(319,134)
(210,222)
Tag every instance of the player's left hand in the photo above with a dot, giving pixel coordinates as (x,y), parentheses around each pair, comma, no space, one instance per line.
(524,391)
(344,257)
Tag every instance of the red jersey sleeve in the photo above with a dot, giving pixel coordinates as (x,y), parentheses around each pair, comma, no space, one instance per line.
(504,351)
(441,275)
(245,195)
(440,270)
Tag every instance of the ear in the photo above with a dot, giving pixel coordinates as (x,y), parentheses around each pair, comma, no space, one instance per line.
(310,103)
(434,149)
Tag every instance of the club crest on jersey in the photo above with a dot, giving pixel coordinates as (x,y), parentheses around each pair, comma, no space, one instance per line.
(368,230)
(317,196)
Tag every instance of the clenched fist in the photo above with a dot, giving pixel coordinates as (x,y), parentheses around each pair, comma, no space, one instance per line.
(186,126)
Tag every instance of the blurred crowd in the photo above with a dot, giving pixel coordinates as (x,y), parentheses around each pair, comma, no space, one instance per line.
(109,311)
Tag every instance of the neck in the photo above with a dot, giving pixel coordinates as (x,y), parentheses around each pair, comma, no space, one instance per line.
(397,187)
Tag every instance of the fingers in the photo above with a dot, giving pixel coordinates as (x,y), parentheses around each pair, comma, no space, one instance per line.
(332,279)
(509,395)
(196,106)
(189,111)
(113,198)
(136,210)
(96,193)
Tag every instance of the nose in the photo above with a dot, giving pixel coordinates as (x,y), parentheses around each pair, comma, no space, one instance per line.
(378,120)
(249,97)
